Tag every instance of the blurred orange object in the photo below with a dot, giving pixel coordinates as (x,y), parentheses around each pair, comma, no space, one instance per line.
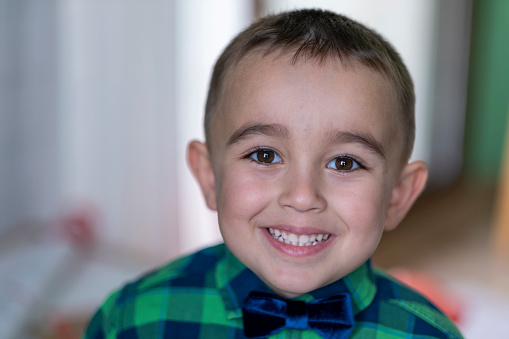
(501,218)
(446,301)
(62,328)
(78,224)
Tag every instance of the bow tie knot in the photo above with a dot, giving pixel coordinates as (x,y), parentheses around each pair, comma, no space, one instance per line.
(266,314)
(297,314)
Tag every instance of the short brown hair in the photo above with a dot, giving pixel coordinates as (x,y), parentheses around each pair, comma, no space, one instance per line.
(319,34)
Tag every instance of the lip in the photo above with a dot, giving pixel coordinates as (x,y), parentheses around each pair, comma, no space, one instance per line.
(298,251)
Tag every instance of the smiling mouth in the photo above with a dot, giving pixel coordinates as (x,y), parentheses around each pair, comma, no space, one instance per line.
(298,240)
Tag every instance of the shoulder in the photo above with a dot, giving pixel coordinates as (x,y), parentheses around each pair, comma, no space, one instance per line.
(191,270)
(176,283)
(398,311)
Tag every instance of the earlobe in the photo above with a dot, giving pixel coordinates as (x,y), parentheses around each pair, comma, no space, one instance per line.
(408,188)
(199,162)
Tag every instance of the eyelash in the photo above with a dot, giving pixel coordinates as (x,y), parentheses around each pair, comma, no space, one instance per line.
(254,156)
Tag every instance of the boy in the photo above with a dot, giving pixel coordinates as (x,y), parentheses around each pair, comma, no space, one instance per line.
(309,127)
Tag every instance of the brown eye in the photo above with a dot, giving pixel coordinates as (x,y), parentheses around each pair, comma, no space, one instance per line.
(344,164)
(266,156)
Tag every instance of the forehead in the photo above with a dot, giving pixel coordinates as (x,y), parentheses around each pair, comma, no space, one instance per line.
(272,87)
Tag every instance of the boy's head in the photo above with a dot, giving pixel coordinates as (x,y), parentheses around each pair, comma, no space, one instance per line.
(318,36)
(309,126)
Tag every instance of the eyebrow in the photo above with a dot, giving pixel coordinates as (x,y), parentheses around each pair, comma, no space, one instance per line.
(337,137)
(365,140)
(247,130)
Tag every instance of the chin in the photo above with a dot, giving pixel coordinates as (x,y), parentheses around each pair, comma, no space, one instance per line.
(293,285)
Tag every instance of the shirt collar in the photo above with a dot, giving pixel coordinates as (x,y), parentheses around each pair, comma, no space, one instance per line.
(235,281)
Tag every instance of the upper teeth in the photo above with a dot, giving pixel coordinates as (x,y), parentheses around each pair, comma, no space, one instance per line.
(296,240)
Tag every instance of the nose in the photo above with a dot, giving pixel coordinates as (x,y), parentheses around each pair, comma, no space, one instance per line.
(302,191)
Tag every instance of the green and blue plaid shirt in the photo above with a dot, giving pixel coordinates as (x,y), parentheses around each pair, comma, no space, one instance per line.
(201,296)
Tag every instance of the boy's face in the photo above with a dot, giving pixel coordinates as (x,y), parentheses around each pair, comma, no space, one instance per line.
(309,151)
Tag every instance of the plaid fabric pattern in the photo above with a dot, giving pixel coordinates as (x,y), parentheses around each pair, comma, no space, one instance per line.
(201,295)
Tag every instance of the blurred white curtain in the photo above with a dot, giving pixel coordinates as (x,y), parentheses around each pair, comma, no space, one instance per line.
(134,78)
(98,100)
(29,171)
(117,119)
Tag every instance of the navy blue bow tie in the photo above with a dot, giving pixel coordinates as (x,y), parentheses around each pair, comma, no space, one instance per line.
(266,314)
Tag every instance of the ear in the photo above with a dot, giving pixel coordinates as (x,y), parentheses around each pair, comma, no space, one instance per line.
(410,184)
(199,161)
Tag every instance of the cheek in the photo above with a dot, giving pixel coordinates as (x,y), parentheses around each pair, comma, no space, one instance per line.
(365,210)
(241,195)
(365,222)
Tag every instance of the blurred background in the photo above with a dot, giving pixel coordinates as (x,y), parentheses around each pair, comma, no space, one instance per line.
(99,98)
